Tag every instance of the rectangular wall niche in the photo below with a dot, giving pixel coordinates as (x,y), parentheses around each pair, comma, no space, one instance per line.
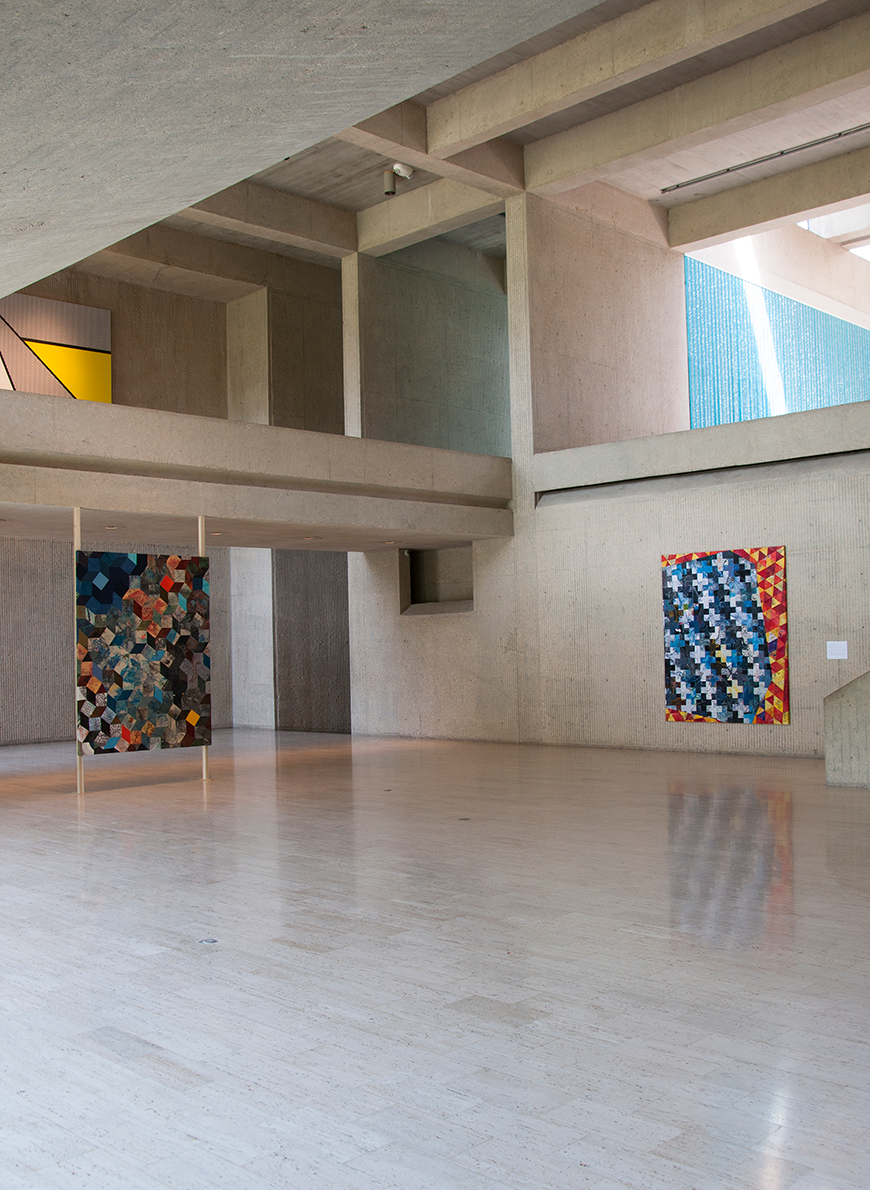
(435,581)
(56,349)
(142,652)
(726,636)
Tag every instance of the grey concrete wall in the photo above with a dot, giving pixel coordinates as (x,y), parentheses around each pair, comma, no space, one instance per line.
(248,395)
(168,350)
(274,353)
(847,734)
(37,641)
(433,348)
(607,327)
(252,659)
(565,643)
(312,651)
(306,356)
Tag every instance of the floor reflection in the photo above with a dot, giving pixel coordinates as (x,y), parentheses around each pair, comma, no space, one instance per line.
(731,866)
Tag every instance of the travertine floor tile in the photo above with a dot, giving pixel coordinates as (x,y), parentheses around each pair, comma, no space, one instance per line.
(436,966)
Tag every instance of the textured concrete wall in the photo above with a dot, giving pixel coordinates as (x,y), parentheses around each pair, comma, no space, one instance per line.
(565,643)
(312,652)
(248,397)
(251,613)
(37,667)
(607,327)
(168,350)
(433,349)
(847,734)
(306,356)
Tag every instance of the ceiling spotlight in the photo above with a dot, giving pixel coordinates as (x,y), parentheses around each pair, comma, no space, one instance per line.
(215,534)
(397,170)
(110,526)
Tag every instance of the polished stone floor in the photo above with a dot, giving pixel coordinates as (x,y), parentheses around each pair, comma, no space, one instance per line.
(419,965)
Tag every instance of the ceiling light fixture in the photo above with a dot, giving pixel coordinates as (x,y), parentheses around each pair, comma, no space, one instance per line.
(810,144)
(396,170)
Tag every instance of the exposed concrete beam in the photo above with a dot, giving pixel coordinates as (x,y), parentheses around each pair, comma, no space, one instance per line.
(400,132)
(51,432)
(421,214)
(658,35)
(256,484)
(118,266)
(834,184)
(250,516)
(840,430)
(820,67)
(282,217)
(168,258)
(849,228)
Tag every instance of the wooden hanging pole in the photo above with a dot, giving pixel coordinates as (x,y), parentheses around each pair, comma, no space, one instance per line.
(200,533)
(77,545)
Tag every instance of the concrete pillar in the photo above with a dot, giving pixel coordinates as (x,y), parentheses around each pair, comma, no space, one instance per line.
(252,638)
(248,358)
(351,267)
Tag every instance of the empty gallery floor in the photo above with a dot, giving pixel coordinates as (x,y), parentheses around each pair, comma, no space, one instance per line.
(368,963)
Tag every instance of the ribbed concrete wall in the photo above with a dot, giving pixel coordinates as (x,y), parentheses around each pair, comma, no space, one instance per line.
(37,668)
(570,614)
(847,734)
(434,349)
(312,662)
(607,327)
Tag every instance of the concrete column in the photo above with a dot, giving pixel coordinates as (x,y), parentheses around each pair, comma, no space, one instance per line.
(248,358)
(352,339)
(252,638)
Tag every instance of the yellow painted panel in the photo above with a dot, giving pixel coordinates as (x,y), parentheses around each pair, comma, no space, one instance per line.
(86,373)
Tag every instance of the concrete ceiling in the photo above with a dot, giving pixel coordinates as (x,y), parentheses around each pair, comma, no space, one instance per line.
(117,114)
(340,174)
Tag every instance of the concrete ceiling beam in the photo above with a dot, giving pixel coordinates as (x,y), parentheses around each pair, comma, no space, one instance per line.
(820,67)
(85,435)
(849,228)
(169,258)
(249,516)
(400,132)
(821,188)
(281,217)
(421,214)
(658,35)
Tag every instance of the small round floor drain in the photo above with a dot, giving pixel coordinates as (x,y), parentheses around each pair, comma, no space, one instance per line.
(208,941)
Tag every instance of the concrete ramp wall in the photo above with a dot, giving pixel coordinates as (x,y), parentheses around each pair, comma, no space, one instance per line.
(847,734)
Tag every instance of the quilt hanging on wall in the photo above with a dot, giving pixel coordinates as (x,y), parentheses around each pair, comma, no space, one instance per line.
(142,649)
(726,636)
(57,349)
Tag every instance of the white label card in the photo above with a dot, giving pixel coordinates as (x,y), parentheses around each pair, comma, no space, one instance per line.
(838,650)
